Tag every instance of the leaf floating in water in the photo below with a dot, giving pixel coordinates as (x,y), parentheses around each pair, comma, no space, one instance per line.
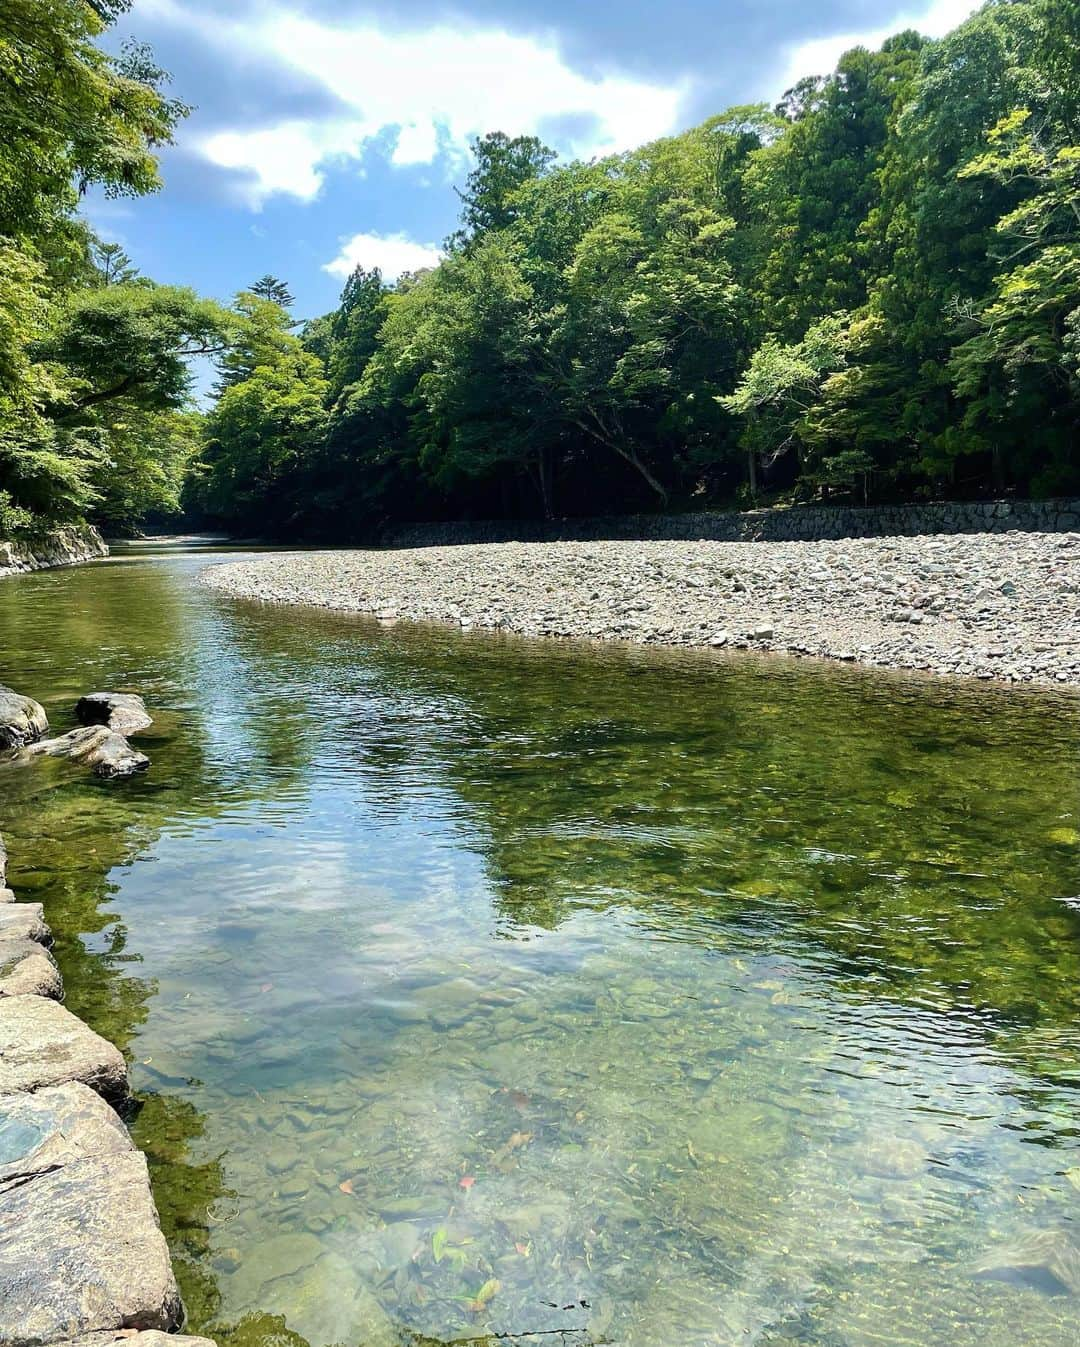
(346,1187)
(467,1182)
(438,1243)
(523,1248)
(267,987)
(518,1139)
(1073,1175)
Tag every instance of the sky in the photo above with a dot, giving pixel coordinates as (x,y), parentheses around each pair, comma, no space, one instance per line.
(327,133)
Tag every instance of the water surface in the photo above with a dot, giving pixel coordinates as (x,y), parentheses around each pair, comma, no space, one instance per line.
(478,986)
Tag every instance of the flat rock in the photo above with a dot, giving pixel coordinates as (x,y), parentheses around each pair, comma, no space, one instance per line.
(82,1257)
(24,921)
(1048,1259)
(54,1127)
(43,1044)
(22,721)
(81,1251)
(151,1337)
(96,746)
(123,712)
(28,969)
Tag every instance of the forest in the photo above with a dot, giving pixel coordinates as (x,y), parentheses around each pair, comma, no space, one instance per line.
(868,292)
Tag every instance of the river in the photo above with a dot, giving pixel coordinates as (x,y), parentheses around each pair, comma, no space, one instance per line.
(477,985)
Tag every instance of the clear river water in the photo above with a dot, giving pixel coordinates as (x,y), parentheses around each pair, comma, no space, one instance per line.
(479,986)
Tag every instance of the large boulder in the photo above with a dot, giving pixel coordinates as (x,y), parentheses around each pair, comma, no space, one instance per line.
(27,969)
(22,721)
(123,712)
(81,1251)
(43,1044)
(40,1132)
(24,921)
(109,754)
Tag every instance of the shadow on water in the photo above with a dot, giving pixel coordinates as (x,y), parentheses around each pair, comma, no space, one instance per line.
(481,986)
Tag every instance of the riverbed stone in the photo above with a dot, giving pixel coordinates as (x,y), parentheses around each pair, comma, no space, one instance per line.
(24,921)
(22,720)
(43,1044)
(1049,1259)
(96,746)
(28,969)
(123,712)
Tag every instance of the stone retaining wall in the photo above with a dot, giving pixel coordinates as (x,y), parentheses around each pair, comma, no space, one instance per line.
(61,547)
(799,523)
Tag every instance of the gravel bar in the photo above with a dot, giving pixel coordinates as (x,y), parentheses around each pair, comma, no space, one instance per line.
(992,606)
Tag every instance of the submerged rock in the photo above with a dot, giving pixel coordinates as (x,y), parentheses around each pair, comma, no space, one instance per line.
(81,1250)
(109,754)
(1048,1259)
(22,721)
(123,712)
(892,1158)
(43,1044)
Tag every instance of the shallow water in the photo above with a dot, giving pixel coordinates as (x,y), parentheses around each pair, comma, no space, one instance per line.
(479,986)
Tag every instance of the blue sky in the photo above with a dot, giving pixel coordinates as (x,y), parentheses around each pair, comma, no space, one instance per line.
(327,134)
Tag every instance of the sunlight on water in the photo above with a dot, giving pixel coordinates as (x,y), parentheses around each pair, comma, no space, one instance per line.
(490,987)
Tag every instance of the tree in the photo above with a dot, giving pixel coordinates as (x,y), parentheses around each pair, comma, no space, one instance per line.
(503,166)
(354,328)
(130,341)
(276,291)
(113,265)
(260,334)
(72,116)
(258,439)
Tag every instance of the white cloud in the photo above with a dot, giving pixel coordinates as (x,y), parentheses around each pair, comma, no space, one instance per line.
(393,254)
(820,55)
(434,88)
(416,144)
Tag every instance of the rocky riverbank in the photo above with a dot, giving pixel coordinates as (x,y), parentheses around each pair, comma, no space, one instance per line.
(62,547)
(83,1262)
(992,606)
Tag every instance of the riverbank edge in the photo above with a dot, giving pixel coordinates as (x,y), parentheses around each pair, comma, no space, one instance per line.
(986,613)
(73,545)
(84,1260)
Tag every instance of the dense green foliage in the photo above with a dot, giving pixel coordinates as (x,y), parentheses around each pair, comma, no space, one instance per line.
(94,381)
(869,292)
